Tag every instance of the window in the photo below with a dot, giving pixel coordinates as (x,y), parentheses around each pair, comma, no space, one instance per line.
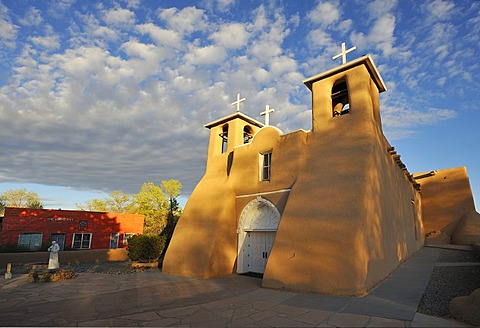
(125,238)
(59,238)
(114,236)
(82,240)
(265,166)
(30,241)
(340,100)
(247,134)
(224,136)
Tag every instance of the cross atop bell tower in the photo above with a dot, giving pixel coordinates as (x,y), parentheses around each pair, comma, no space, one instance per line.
(344,53)
(237,103)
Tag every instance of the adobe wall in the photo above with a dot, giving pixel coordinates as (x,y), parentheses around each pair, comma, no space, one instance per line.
(346,240)
(84,256)
(446,197)
(205,239)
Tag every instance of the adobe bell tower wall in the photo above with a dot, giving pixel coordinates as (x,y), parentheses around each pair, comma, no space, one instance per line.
(349,219)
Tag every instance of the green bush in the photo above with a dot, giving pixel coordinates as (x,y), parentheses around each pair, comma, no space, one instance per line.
(145,248)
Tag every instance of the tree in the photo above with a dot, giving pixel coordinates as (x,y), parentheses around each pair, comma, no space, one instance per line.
(116,202)
(172,188)
(20,198)
(159,205)
(152,202)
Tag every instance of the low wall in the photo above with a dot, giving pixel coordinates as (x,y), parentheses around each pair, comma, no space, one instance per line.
(87,256)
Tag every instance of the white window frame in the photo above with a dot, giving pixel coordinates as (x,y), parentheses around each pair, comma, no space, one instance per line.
(265,166)
(38,248)
(127,235)
(81,240)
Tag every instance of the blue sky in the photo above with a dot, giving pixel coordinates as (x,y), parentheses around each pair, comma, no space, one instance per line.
(97,96)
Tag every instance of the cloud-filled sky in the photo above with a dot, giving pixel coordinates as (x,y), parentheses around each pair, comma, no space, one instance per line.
(97,96)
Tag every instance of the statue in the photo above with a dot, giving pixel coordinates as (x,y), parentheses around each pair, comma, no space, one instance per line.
(53,260)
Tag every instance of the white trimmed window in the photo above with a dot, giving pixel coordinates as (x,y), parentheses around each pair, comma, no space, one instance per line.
(82,241)
(30,241)
(126,236)
(265,166)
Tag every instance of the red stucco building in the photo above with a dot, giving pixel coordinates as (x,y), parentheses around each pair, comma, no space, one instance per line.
(34,229)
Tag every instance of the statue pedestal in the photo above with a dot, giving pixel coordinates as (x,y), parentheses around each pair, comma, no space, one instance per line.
(50,275)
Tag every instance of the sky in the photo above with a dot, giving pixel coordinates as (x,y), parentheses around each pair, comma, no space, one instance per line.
(97,96)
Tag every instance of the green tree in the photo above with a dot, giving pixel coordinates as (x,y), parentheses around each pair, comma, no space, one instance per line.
(116,202)
(20,198)
(152,202)
(172,188)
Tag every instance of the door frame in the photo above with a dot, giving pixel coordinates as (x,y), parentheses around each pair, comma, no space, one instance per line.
(258,215)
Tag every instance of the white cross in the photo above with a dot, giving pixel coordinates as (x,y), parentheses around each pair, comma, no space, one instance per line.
(238,102)
(266,113)
(344,53)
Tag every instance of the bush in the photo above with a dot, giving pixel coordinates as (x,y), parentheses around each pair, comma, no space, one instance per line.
(145,248)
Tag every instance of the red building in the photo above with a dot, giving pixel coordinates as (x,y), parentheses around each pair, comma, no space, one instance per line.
(34,229)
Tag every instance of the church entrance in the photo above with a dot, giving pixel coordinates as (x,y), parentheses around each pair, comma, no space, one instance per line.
(256,233)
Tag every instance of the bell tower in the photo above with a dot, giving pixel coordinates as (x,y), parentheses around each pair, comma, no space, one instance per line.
(229,132)
(349,90)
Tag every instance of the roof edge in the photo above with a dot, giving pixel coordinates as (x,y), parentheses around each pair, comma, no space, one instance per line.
(367,60)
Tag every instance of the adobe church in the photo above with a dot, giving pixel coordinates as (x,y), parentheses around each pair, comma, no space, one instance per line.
(332,210)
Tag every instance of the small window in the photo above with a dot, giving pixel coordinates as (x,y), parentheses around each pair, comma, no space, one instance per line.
(125,238)
(340,100)
(30,241)
(265,166)
(224,136)
(82,241)
(114,240)
(247,134)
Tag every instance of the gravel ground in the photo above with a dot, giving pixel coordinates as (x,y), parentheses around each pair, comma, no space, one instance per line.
(448,282)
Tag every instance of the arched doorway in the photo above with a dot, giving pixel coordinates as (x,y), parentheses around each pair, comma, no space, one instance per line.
(256,233)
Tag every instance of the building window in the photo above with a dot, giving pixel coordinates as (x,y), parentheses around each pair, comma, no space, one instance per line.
(114,236)
(247,134)
(81,240)
(125,238)
(224,136)
(30,241)
(59,238)
(340,100)
(265,166)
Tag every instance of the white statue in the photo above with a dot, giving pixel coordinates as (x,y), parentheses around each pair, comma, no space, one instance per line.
(53,260)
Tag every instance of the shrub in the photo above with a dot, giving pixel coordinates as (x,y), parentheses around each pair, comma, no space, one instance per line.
(145,248)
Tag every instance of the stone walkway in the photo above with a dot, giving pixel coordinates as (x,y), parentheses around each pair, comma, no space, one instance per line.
(155,299)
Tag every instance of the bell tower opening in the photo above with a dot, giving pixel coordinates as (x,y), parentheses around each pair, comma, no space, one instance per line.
(340,99)
(224,136)
(247,134)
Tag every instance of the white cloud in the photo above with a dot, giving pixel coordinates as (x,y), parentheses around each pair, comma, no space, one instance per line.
(324,14)
(8,31)
(119,16)
(106,33)
(382,34)
(161,36)
(33,17)
(231,36)
(401,117)
(184,21)
(378,8)
(208,55)
(48,42)
(440,9)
